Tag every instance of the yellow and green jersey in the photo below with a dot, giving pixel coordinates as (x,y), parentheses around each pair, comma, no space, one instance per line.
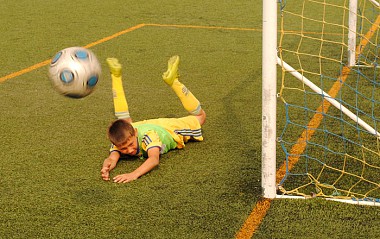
(166,133)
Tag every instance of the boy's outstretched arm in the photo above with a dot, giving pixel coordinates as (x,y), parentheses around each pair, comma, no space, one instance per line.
(109,164)
(152,161)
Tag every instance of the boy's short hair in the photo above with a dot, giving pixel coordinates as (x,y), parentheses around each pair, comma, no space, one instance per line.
(120,131)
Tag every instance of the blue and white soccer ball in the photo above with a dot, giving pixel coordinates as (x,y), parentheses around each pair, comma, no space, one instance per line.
(74,72)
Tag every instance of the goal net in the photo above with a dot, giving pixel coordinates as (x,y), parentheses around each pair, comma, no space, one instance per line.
(329,115)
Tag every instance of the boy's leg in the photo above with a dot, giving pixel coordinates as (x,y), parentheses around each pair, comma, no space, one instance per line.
(189,102)
(119,100)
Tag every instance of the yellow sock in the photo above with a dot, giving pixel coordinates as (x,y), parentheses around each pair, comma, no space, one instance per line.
(188,100)
(119,100)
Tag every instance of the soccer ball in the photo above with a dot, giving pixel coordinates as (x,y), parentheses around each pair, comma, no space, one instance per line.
(74,72)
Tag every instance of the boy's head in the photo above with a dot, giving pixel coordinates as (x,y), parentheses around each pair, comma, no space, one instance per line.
(123,136)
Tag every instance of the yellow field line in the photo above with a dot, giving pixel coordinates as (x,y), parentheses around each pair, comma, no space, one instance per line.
(238,29)
(203,27)
(115,35)
(26,70)
(262,206)
(46,62)
(254,219)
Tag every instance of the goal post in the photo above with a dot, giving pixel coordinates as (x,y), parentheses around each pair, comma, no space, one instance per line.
(352,22)
(269,99)
(327,53)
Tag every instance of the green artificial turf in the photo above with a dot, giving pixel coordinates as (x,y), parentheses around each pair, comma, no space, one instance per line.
(52,147)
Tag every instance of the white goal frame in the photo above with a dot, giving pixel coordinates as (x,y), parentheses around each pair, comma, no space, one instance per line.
(269,98)
(269,94)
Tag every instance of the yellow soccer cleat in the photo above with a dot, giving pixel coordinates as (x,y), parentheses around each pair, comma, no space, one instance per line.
(172,73)
(115,66)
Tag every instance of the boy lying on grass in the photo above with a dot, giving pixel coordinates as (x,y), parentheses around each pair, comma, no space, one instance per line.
(149,138)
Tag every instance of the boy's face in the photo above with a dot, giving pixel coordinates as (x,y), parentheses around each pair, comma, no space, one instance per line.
(130,147)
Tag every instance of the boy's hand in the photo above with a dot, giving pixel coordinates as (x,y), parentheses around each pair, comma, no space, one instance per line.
(106,172)
(109,164)
(125,178)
